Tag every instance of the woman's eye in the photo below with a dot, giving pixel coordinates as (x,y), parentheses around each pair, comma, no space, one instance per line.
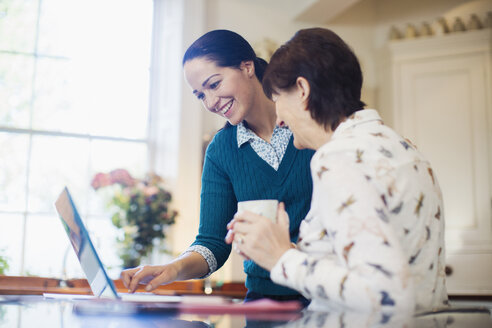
(200,96)
(214,85)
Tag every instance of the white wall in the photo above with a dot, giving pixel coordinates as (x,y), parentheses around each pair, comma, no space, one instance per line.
(187,189)
(365,27)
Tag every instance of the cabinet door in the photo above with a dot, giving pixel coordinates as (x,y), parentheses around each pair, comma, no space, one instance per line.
(442,106)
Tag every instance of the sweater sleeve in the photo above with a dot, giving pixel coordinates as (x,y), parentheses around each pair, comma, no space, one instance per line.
(365,268)
(217,207)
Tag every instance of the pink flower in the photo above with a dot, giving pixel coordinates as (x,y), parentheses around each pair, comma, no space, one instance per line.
(122,177)
(150,191)
(101,180)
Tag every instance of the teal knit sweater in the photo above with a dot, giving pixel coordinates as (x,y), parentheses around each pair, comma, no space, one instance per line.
(232,174)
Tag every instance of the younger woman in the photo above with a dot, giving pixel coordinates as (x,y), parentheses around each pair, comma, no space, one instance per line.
(250,158)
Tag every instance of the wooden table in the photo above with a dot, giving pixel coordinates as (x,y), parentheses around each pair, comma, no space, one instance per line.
(16,285)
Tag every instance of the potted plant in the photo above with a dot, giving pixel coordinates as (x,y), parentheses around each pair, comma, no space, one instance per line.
(4,264)
(140,208)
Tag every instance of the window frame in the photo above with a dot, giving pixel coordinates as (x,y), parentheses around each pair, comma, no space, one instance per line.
(159,144)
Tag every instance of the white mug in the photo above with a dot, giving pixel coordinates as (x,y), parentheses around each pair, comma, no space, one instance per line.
(264,207)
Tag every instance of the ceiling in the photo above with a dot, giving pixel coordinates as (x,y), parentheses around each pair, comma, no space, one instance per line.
(313,11)
(323,11)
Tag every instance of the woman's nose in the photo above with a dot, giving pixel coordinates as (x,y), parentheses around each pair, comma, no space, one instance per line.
(279,121)
(211,101)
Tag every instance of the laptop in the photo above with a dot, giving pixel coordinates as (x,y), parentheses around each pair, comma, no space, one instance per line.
(104,290)
(100,283)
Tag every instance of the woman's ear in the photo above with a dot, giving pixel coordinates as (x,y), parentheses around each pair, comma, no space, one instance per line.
(304,89)
(249,67)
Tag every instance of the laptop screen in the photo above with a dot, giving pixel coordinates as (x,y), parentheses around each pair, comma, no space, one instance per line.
(101,284)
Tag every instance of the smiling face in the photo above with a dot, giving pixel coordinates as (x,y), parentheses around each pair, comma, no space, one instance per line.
(292,111)
(225,91)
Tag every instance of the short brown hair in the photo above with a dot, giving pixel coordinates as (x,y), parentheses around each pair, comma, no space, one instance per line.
(328,64)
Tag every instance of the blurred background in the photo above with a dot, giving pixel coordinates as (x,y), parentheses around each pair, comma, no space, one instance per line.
(92,86)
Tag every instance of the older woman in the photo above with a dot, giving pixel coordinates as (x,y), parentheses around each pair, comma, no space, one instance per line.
(374,236)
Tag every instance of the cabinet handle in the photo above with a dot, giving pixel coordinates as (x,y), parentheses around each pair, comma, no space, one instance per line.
(448,270)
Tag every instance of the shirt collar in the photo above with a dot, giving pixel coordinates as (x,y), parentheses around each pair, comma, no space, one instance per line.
(244,134)
(359,117)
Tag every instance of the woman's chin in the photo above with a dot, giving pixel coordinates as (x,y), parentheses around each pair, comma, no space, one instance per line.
(233,120)
(297,144)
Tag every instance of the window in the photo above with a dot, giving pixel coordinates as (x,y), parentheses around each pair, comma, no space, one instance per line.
(74,100)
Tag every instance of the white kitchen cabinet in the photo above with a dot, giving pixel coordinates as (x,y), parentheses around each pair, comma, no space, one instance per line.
(438,93)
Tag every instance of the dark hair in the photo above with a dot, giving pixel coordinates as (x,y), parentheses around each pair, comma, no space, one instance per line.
(330,67)
(226,49)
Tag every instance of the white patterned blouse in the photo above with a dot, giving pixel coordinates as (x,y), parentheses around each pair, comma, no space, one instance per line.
(374,237)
